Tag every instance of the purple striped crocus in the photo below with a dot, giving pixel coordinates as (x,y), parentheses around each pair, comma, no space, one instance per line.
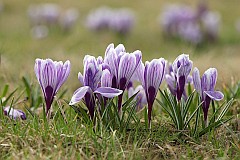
(14,113)
(51,75)
(91,80)
(122,66)
(172,82)
(151,77)
(205,87)
(182,67)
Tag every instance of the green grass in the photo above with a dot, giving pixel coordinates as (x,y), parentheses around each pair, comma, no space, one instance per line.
(73,139)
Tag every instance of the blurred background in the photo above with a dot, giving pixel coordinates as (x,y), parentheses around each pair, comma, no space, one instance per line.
(209,31)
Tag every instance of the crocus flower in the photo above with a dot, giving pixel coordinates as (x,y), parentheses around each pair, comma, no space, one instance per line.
(182,67)
(51,75)
(183,22)
(68,19)
(99,19)
(211,23)
(122,66)
(205,87)
(122,21)
(151,77)
(140,97)
(91,81)
(105,18)
(171,80)
(14,113)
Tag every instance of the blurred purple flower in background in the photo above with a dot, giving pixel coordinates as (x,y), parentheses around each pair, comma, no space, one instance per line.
(91,81)
(237,25)
(14,113)
(39,32)
(211,24)
(205,87)
(104,18)
(68,19)
(51,75)
(43,16)
(122,21)
(183,22)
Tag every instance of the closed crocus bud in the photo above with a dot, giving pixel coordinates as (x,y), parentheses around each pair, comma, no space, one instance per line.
(153,76)
(51,75)
(205,87)
(14,113)
(182,67)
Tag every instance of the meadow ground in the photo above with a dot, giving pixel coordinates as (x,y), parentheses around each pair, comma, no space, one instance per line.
(70,139)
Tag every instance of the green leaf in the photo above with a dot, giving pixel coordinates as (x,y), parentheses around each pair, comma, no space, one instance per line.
(11,94)
(190,118)
(5,90)
(213,125)
(224,110)
(27,86)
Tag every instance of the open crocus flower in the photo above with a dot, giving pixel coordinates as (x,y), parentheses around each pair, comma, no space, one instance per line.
(122,66)
(14,113)
(205,87)
(91,81)
(151,77)
(182,67)
(140,97)
(51,75)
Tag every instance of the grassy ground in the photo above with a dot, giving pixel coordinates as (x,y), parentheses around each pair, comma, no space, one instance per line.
(60,140)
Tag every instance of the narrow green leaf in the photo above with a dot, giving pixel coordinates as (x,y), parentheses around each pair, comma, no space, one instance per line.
(11,94)
(5,90)
(225,109)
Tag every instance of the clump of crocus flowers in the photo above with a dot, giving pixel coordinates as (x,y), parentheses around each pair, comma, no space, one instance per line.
(117,20)
(109,77)
(194,26)
(44,16)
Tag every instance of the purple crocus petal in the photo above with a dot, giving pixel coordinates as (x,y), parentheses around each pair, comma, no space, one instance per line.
(108,49)
(14,113)
(145,75)
(111,60)
(171,82)
(80,78)
(108,92)
(127,66)
(79,94)
(189,79)
(63,71)
(120,48)
(196,80)
(209,79)
(139,73)
(92,72)
(99,60)
(215,95)
(106,79)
